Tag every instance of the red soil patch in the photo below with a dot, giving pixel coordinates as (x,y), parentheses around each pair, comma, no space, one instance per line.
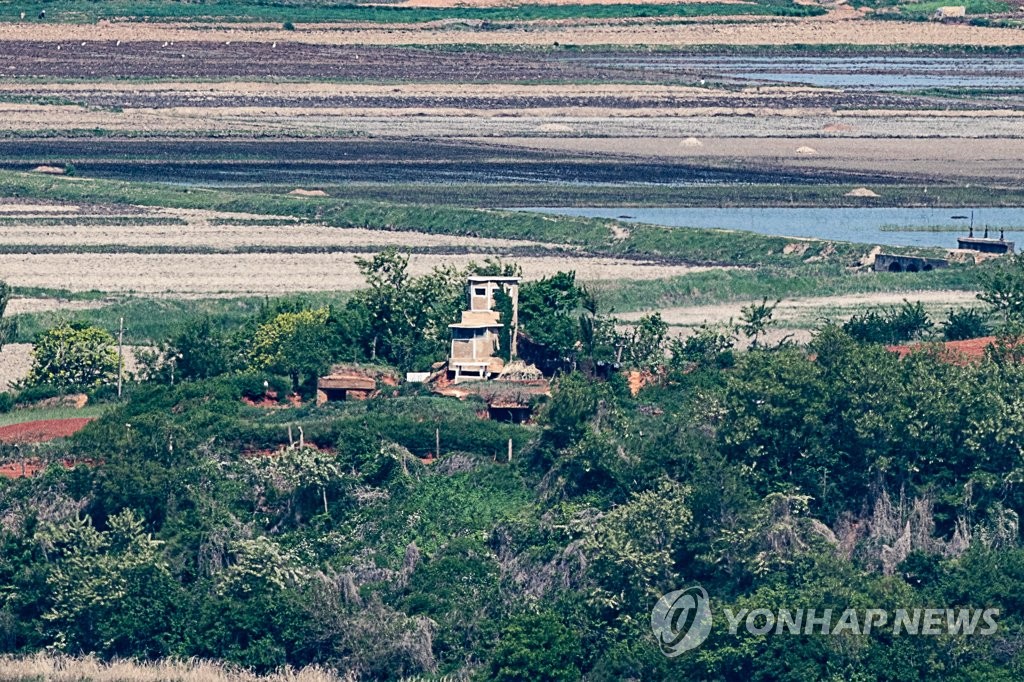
(43,430)
(269,401)
(953,352)
(29,467)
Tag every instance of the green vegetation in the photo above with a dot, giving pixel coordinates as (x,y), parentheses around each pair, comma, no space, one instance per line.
(74,356)
(196,525)
(329,210)
(817,195)
(317,12)
(920,11)
(967,323)
(148,320)
(897,324)
(29,414)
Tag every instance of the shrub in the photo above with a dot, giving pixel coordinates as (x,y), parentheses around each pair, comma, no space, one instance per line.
(6,402)
(289,26)
(254,385)
(31,394)
(74,356)
(965,323)
(897,324)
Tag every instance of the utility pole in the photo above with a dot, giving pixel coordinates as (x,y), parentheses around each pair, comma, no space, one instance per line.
(120,356)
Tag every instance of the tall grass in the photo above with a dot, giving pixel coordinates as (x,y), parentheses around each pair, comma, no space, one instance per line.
(32,414)
(49,668)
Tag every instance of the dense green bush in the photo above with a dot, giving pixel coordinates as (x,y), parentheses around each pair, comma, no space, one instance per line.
(32,394)
(965,323)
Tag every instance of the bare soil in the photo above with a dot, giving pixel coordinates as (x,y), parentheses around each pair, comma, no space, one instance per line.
(43,430)
(843,26)
(15,363)
(807,313)
(959,157)
(269,273)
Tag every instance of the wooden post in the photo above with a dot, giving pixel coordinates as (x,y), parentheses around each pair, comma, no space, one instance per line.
(120,356)
(509,450)
(437,442)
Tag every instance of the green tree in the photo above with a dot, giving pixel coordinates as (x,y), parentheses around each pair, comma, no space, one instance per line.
(707,348)
(111,591)
(503,304)
(549,312)
(199,350)
(634,548)
(407,317)
(295,344)
(897,324)
(756,319)
(964,323)
(645,345)
(1003,289)
(536,648)
(74,356)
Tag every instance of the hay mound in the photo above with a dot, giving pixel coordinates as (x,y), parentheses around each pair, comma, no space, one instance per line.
(49,170)
(806,151)
(308,192)
(517,370)
(861,192)
(692,142)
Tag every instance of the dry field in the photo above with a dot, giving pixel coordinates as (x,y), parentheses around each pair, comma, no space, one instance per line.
(270,273)
(843,26)
(15,363)
(226,231)
(331,267)
(806,313)
(955,157)
(764,119)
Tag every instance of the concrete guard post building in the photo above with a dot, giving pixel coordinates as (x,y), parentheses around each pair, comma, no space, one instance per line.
(476,338)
